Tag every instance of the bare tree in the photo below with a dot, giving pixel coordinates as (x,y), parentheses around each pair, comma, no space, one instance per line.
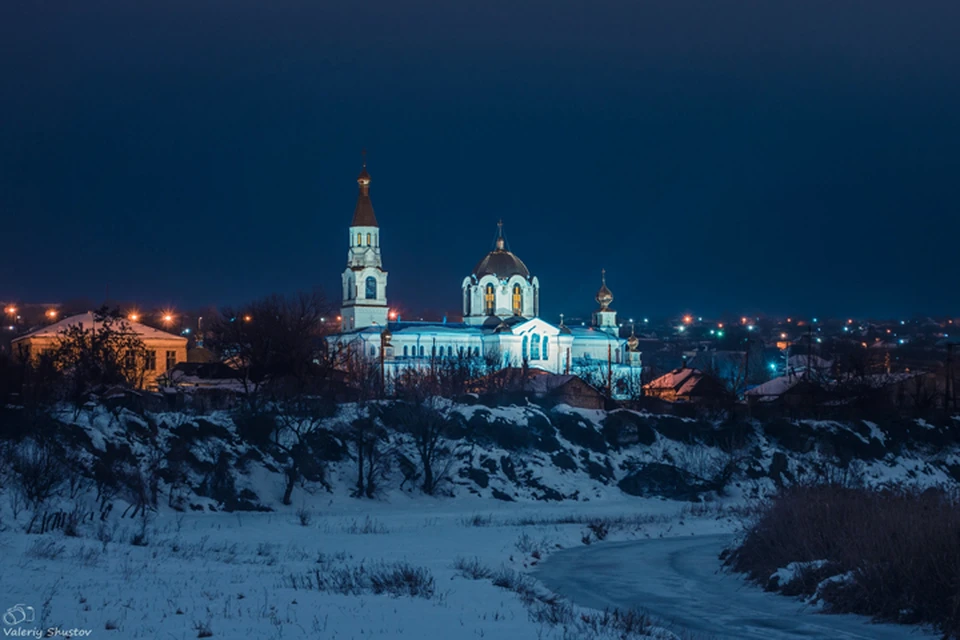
(421,415)
(108,353)
(274,339)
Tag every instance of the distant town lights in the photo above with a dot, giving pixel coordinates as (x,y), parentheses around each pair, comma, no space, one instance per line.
(51,313)
(11,310)
(134,317)
(773,366)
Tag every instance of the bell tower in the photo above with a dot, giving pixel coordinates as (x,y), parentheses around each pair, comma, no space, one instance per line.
(364,301)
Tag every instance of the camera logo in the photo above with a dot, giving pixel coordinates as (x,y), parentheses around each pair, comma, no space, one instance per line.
(18,614)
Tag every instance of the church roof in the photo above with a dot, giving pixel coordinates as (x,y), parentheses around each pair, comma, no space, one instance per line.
(500,262)
(363,215)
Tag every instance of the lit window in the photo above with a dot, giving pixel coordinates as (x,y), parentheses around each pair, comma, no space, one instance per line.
(171,360)
(359,239)
(151,361)
(517,300)
(488,300)
(371,293)
(369,239)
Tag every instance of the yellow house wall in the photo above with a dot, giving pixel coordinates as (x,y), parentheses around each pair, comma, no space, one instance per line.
(38,344)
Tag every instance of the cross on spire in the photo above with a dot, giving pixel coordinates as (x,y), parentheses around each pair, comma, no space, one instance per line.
(363,154)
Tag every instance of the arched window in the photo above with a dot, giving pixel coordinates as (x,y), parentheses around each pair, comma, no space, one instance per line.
(369,239)
(523,349)
(476,351)
(421,351)
(535,347)
(488,298)
(545,354)
(405,351)
(517,300)
(359,239)
(371,288)
(373,351)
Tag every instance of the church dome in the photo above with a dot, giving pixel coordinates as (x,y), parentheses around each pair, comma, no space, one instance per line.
(604,296)
(500,262)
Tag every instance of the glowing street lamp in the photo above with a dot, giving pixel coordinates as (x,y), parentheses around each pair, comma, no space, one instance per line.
(247,318)
(135,317)
(52,314)
(11,310)
(167,318)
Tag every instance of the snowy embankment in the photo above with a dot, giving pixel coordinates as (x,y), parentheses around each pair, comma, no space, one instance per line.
(171,525)
(255,574)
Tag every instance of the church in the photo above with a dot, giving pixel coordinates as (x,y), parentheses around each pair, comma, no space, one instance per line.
(501,314)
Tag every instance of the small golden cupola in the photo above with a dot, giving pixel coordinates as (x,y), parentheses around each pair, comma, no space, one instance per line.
(605,318)
(604,296)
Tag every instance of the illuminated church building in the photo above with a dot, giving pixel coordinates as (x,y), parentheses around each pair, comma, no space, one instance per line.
(501,309)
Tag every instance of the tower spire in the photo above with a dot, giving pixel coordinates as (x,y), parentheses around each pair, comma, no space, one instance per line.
(500,241)
(363,215)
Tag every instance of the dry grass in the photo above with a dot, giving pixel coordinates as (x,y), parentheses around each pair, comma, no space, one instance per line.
(898,550)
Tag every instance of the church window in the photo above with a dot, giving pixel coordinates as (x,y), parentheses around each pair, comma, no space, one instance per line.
(546,352)
(405,354)
(523,349)
(373,351)
(369,239)
(359,239)
(517,300)
(488,300)
(535,347)
(371,288)
(476,351)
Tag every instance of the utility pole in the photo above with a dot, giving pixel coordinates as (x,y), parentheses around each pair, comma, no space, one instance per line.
(948,380)
(609,370)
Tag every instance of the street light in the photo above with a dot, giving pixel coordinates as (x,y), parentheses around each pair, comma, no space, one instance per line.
(135,317)
(52,314)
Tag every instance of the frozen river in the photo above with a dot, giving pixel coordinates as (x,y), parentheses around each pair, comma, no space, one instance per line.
(680,581)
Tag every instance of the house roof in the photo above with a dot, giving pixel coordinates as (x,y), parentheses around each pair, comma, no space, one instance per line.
(89,319)
(684,382)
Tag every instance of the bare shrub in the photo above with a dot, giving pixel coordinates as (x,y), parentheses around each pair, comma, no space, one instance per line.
(304,516)
(896,548)
(45,549)
(37,472)
(472,568)
(396,579)
(477,520)
(203,629)
(367,526)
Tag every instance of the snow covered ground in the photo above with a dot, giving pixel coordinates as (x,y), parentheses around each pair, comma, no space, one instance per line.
(680,578)
(234,574)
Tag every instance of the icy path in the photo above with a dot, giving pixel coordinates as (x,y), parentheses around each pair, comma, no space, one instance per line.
(680,581)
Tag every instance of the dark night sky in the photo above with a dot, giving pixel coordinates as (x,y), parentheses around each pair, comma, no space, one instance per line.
(795,157)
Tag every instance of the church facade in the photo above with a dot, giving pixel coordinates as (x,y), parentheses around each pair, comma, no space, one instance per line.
(501,314)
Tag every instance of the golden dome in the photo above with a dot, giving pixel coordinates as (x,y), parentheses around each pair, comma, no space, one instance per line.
(604,296)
